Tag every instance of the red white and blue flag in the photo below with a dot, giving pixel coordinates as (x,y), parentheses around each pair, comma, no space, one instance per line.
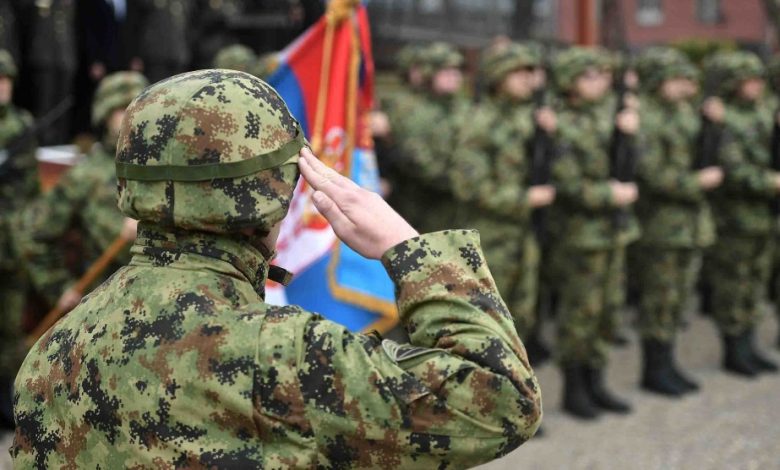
(327,79)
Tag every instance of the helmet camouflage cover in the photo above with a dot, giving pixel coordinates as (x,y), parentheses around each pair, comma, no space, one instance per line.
(439,56)
(408,57)
(7,64)
(235,57)
(114,92)
(658,64)
(732,68)
(499,61)
(212,150)
(573,62)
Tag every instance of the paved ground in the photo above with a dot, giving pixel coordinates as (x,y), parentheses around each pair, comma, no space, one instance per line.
(732,424)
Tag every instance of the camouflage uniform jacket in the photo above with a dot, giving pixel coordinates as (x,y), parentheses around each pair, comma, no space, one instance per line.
(85,198)
(673,209)
(742,203)
(177,361)
(18,173)
(425,129)
(490,172)
(583,216)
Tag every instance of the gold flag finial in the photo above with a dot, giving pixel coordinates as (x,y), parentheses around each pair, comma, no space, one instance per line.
(339,10)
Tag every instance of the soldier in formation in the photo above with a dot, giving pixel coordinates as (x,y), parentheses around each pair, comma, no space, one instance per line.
(178,361)
(84,199)
(18,186)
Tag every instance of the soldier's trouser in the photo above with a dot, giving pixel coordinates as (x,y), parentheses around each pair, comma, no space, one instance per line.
(591,289)
(738,271)
(665,277)
(616,295)
(514,264)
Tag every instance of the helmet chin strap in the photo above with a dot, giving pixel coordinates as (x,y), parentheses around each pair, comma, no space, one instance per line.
(275,273)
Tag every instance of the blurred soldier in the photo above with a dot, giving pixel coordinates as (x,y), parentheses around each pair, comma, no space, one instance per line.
(739,264)
(162,42)
(236,57)
(265,65)
(178,361)
(772,106)
(50,45)
(588,243)
(84,198)
(673,211)
(424,127)
(18,185)
(492,176)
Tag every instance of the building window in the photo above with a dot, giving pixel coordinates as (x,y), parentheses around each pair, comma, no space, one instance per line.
(649,12)
(709,11)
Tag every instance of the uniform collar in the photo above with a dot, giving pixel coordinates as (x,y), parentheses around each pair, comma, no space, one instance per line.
(231,255)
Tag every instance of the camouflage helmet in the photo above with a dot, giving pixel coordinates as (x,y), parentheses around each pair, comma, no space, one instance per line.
(439,56)
(235,57)
(211,150)
(116,91)
(732,68)
(573,62)
(7,65)
(266,65)
(658,64)
(409,56)
(500,61)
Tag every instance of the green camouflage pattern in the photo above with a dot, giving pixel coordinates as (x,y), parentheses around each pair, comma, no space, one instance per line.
(439,56)
(116,91)
(235,57)
(490,177)
(178,362)
(673,210)
(498,62)
(572,62)
(591,290)
(666,279)
(18,186)
(731,68)
(7,65)
(407,58)
(208,120)
(265,65)
(584,216)
(658,64)
(84,199)
(738,268)
(425,129)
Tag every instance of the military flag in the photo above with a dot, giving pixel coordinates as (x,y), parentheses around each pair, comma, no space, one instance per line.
(326,77)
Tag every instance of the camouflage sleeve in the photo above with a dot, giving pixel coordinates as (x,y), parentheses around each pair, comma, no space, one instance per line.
(742,175)
(474,179)
(426,143)
(41,227)
(662,180)
(461,394)
(27,165)
(574,187)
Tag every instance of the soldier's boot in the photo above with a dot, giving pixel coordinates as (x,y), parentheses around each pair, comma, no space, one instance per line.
(576,399)
(736,357)
(538,352)
(688,383)
(6,404)
(601,395)
(762,363)
(657,371)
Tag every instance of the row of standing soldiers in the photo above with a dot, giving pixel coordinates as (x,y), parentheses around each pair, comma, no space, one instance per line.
(48,240)
(577,199)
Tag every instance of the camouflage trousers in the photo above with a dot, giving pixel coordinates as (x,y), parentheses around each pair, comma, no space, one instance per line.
(513,259)
(591,289)
(664,278)
(738,270)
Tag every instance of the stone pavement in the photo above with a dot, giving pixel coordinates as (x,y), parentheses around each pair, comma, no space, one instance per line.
(733,424)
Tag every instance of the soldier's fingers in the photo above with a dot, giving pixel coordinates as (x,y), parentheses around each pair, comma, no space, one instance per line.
(317,180)
(331,211)
(325,176)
